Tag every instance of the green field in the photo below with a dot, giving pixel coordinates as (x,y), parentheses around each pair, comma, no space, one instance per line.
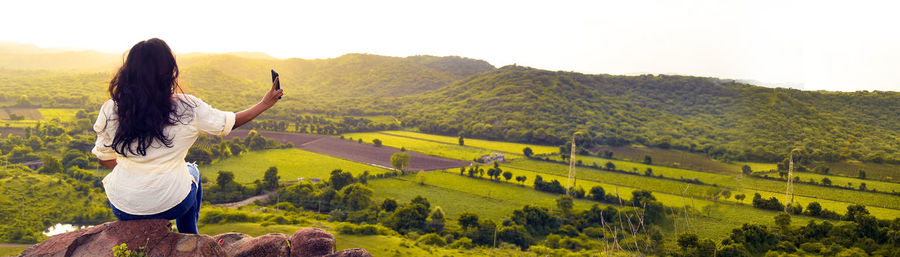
(884,171)
(456,194)
(292,164)
(672,158)
(452,151)
(377,245)
(11,250)
(63,115)
(881,186)
(514,148)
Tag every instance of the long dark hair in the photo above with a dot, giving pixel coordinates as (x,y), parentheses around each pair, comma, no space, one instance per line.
(143,91)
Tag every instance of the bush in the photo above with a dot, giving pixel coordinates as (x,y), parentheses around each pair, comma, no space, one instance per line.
(463,243)
(432,239)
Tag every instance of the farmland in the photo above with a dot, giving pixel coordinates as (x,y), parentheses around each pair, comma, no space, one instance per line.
(452,151)
(880,171)
(672,158)
(292,164)
(455,194)
(351,150)
(507,147)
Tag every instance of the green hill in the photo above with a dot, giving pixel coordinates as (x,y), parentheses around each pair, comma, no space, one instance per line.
(721,118)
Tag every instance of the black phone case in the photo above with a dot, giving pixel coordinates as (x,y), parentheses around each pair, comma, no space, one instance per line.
(277,85)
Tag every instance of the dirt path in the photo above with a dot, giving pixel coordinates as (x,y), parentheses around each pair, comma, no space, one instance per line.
(262,198)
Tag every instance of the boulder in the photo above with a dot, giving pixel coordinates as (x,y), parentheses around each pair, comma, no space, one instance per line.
(155,238)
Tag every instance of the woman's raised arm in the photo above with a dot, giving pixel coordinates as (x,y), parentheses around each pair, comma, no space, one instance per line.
(242,117)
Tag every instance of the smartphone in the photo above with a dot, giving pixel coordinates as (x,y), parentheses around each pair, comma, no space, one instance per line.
(277,85)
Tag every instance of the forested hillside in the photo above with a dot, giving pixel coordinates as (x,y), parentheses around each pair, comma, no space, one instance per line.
(725,119)
(455,95)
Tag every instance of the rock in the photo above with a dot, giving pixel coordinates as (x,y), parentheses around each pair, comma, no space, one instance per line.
(156,238)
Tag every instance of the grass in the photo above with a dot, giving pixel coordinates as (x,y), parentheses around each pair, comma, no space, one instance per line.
(886,172)
(514,148)
(377,245)
(12,250)
(881,186)
(456,194)
(672,158)
(452,151)
(63,115)
(292,163)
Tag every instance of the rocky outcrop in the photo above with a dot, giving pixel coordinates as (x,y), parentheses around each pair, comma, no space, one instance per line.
(154,237)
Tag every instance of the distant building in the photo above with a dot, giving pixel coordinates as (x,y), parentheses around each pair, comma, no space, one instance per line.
(498,157)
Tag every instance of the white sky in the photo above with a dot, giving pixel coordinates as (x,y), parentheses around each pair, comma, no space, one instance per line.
(846,46)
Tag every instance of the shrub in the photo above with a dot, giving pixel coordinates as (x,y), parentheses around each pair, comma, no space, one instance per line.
(463,243)
(432,239)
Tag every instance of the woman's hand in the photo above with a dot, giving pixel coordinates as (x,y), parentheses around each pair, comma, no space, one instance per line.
(273,95)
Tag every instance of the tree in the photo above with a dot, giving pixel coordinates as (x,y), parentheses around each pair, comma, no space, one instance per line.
(855,211)
(746,170)
(610,166)
(826,181)
(377,142)
(50,165)
(862,186)
(467,219)
(726,194)
(565,203)
(740,197)
(270,179)
(389,204)
(598,193)
(515,234)
(528,152)
(421,200)
(507,175)
(783,220)
(640,197)
(357,196)
(648,172)
(648,159)
(862,174)
(436,220)
(521,179)
(409,217)
(814,209)
(400,161)
(224,178)
(462,141)
(339,179)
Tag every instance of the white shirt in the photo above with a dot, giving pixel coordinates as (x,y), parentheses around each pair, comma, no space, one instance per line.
(159,180)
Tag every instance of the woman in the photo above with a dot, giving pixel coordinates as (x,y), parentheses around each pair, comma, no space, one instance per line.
(144,132)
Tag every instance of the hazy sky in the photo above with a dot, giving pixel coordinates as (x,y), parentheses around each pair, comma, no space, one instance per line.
(846,46)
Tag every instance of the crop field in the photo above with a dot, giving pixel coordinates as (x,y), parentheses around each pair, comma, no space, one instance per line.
(508,147)
(669,172)
(884,171)
(881,186)
(292,164)
(457,152)
(636,181)
(672,158)
(28,113)
(839,207)
(362,153)
(836,194)
(455,194)
(61,114)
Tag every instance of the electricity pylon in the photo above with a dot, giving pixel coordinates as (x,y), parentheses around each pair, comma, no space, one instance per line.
(789,192)
(570,183)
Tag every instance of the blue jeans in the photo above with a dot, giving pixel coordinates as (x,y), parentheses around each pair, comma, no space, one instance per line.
(185,213)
